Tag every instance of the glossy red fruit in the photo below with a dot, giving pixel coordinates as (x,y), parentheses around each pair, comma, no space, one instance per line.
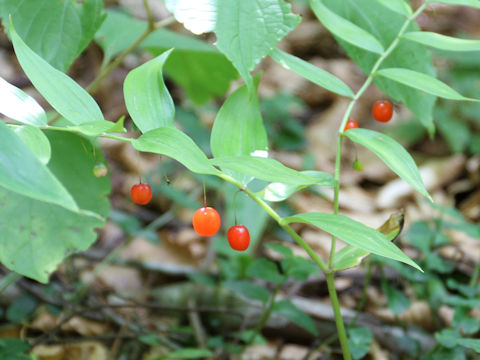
(141,193)
(206,221)
(238,237)
(351,124)
(382,111)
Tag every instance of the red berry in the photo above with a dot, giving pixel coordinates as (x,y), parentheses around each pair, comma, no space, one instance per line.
(206,221)
(238,237)
(141,193)
(351,124)
(382,111)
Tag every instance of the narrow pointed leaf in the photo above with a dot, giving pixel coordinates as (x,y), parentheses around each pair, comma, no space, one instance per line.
(392,154)
(97,128)
(344,29)
(171,142)
(22,172)
(442,42)
(471,3)
(264,169)
(147,98)
(351,256)
(19,106)
(312,73)
(355,234)
(422,82)
(399,6)
(64,94)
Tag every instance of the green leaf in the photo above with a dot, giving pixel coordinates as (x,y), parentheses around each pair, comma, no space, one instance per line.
(248,30)
(22,172)
(396,300)
(19,106)
(344,29)
(266,270)
(21,309)
(278,191)
(36,141)
(399,6)
(44,234)
(58,31)
(422,82)
(238,128)
(472,3)
(199,68)
(173,143)
(285,251)
(385,25)
(300,268)
(64,94)
(451,338)
(72,162)
(295,315)
(354,233)
(442,42)
(147,98)
(14,349)
(392,154)
(237,25)
(187,353)
(359,340)
(312,73)
(264,169)
(249,290)
(351,256)
(464,322)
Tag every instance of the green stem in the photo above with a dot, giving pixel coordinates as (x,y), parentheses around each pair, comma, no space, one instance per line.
(476,273)
(93,87)
(265,315)
(8,280)
(281,222)
(342,334)
(346,116)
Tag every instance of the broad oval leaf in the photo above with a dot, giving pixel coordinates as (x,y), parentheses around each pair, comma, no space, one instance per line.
(23,173)
(278,191)
(355,234)
(399,6)
(422,82)
(43,233)
(248,30)
(264,169)
(392,154)
(344,29)
(351,256)
(248,290)
(58,31)
(171,142)
(36,141)
(266,270)
(442,42)
(64,94)
(312,73)
(19,106)
(471,3)
(386,25)
(147,98)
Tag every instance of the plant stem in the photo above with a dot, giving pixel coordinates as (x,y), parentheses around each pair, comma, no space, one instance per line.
(8,280)
(476,273)
(265,315)
(281,222)
(94,85)
(346,116)
(342,334)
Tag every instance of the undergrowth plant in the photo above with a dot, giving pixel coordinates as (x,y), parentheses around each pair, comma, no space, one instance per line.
(51,201)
